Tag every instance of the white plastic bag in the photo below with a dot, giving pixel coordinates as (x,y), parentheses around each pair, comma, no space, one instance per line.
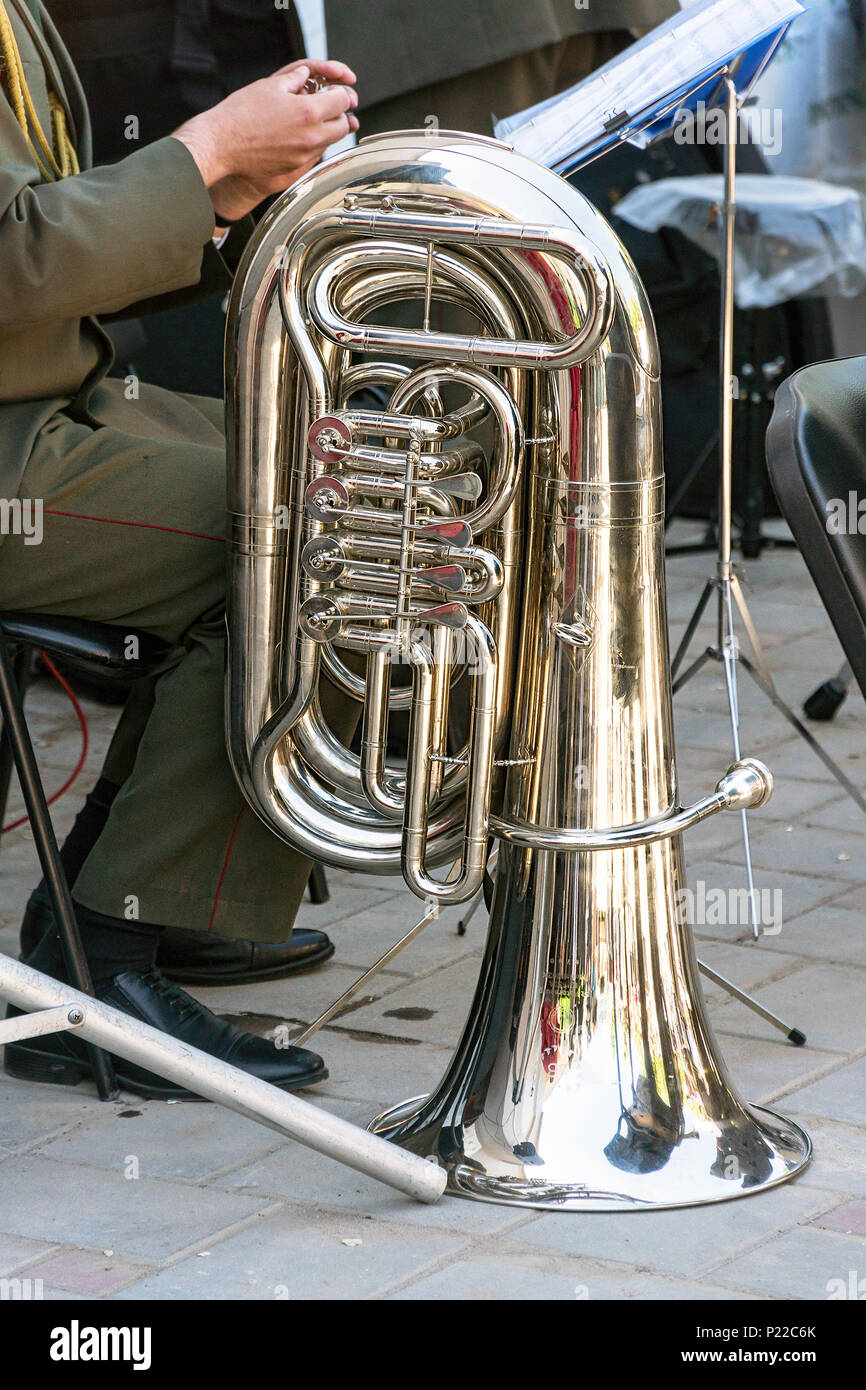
(796,238)
(817,81)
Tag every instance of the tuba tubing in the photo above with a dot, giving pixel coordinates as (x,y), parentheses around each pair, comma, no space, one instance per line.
(587,1077)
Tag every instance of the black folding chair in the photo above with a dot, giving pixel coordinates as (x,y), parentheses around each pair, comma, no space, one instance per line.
(112,653)
(816,451)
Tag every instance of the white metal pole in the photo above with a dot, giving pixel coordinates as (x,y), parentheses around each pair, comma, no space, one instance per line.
(217,1081)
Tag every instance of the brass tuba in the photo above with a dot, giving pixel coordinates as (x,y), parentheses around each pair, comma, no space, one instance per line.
(419,509)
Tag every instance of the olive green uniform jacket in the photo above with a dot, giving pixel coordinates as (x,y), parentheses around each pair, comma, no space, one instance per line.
(129,481)
(91,245)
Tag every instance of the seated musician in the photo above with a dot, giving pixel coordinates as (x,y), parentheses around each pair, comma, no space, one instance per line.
(168,865)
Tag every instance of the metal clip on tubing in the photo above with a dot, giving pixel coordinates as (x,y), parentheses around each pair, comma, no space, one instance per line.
(215,1080)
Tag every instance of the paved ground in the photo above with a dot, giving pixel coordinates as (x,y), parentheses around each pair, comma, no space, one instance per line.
(222,1208)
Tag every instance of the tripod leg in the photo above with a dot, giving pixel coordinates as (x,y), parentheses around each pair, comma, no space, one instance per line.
(467,916)
(730,651)
(751,631)
(776,699)
(793,1035)
(692,670)
(693,623)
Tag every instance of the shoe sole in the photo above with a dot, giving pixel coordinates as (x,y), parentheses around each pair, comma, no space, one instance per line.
(47,1067)
(206,978)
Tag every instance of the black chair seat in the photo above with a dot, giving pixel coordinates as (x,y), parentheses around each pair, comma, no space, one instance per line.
(816,453)
(94,647)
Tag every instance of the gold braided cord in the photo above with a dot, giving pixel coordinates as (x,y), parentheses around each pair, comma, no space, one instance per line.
(59,156)
(66,156)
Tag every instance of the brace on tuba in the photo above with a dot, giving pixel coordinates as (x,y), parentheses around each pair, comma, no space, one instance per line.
(416,510)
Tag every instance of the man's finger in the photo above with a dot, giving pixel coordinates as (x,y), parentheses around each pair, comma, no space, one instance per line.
(295,79)
(332,102)
(333,70)
(328,68)
(335,130)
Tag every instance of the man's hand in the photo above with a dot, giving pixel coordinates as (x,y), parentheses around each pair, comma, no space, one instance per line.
(263,137)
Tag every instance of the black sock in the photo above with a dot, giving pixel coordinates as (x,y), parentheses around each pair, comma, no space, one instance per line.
(110,944)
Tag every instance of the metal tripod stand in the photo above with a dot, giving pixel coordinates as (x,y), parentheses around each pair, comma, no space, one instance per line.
(725,582)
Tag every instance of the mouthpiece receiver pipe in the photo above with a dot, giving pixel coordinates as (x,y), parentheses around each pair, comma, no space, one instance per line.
(745,785)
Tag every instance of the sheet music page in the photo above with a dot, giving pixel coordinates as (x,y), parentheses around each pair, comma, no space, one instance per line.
(671,58)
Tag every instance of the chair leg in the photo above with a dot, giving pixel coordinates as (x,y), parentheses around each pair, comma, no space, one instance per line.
(318,885)
(21,663)
(823,703)
(15,726)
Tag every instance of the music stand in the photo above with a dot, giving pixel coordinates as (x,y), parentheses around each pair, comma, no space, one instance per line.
(712,85)
(725,581)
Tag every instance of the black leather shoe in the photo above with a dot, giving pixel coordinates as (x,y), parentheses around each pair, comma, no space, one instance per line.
(147,995)
(201,958)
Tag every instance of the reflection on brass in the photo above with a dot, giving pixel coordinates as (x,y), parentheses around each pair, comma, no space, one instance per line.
(494,516)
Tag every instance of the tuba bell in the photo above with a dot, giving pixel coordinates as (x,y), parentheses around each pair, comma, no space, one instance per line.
(417,511)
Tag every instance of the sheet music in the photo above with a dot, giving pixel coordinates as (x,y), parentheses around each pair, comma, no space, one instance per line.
(672,58)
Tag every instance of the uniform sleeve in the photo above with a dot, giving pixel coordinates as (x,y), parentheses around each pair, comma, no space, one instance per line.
(217,273)
(98,241)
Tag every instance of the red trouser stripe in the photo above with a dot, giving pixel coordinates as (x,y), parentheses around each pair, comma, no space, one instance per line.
(147,525)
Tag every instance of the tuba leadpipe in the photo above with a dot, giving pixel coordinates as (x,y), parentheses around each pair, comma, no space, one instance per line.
(494,525)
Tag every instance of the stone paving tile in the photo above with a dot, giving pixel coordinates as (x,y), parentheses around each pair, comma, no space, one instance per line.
(718,833)
(854,898)
(90,1273)
(741,964)
(188,1141)
(794,760)
(762,1063)
(262,1007)
(20,869)
(295,1254)
(777,624)
(433,1009)
(379,1073)
(350,893)
(817,657)
(799,892)
(50,1295)
(364,936)
(16,1253)
(761,733)
(319,1182)
(830,933)
(842,813)
(838,1151)
(795,801)
(839,1096)
(487,1278)
(800,1263)
(30,1112)
(689,1242)
(849,1219)
(838,856)
(827,999)
(102,1210)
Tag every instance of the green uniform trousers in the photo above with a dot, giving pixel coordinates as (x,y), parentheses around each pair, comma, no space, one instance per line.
(133,534)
